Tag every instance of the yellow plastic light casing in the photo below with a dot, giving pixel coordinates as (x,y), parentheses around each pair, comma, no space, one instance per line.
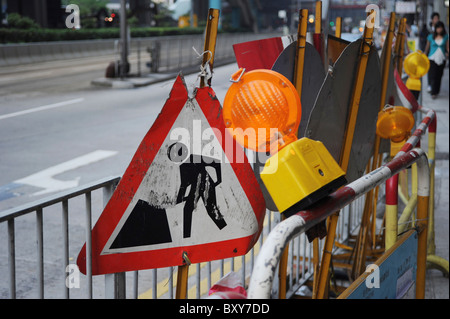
(301,173)
(413,84)
(416,65)
(396,147)
(395,123)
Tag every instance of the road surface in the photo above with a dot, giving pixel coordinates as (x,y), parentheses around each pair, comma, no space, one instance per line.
(57,131)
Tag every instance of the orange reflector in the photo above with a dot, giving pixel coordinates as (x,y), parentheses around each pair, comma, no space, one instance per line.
(262,110)
(395,123)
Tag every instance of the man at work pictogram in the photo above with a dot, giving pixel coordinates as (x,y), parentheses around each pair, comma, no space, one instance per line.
(196,183)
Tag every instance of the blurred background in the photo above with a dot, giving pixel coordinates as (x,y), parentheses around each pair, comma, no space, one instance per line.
(236,15)
(61,124)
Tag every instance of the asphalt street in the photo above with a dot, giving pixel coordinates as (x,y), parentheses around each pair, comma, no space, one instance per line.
(58,131)
(52,115)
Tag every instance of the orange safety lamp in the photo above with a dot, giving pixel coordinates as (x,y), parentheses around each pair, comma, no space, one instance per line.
(395,123)
(416,65)
(266,106)
(262,111)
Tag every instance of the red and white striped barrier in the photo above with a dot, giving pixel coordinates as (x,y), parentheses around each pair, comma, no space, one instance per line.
(429,121)
(269,256)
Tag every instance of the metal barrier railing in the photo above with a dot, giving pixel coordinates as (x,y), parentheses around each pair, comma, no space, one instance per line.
(155,283)
(397,225)
(300,255)
(204,275)
(179,53)
(300,252)
(161,280)
(270,254)
(10,216)
(300,267)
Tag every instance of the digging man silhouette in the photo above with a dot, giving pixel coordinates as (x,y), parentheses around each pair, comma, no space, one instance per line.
(195,177)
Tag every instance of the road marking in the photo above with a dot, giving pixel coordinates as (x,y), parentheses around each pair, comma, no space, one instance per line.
(6,191)
(44,179)
(13,77)
(41,108)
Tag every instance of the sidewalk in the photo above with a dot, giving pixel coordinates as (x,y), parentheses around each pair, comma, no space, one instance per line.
(150,78)
(133,82)
(437,286)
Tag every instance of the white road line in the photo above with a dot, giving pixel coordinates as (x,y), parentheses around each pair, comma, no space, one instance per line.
(41,108)
(44,179)
(13,77)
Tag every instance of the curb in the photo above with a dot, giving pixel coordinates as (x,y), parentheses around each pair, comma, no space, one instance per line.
(152,78)
(132,82)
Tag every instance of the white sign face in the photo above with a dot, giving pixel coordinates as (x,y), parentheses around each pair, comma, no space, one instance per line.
(188,193)
(206,205)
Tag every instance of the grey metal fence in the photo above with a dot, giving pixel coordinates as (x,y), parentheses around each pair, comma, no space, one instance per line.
(19,250)
(172,52)
(45,267)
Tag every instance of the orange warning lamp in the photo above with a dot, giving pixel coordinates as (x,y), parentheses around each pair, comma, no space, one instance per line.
(416,65)
(395,123)
(266,106)
(262,111)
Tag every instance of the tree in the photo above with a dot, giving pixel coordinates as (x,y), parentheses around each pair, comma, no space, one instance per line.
(15,20)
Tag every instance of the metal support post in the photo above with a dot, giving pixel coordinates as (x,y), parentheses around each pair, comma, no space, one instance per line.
(298,80)
(115,286)
(182,282)
(345,155)
(369,209)
(338,30)
(124,39)
(391,211)
(209,47)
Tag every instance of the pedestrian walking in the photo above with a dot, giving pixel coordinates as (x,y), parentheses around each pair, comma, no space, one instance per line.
(437,52)
(435,17)
(423,35)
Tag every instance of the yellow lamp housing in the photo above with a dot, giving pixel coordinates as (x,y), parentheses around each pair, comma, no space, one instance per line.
(416,65)
(413,84)
(300,174)
(395,123)
(396,147)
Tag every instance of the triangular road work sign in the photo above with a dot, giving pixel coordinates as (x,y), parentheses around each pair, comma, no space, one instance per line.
(189,189)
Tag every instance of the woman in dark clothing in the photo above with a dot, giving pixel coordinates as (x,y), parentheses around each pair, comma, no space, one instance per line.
(437,51)
(423,37)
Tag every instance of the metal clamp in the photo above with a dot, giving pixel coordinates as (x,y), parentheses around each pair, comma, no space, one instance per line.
(186,258)
(232,79)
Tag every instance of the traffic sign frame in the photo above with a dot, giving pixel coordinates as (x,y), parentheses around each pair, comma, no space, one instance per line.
(103,263)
